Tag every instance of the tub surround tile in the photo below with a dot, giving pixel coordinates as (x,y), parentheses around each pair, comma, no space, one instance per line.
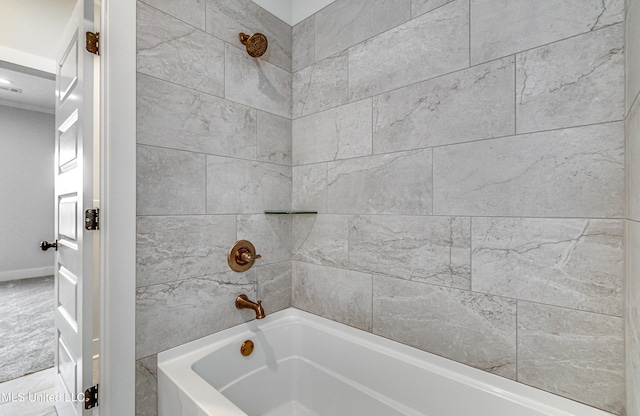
(339,133)
(505,27)
(225,19)
(172,50)
(321,86)
(176,117)
(430,45)
(425,249)
(419,7)
(476,103)
(270,234)
(189,11)
(345,23)
(575,82)
(181,247)
(564,173)
(321,239)
(304,35)
(274,286)
(146,386)
(572,263)
(169,182)
(446,321)
(256,186)
(205,303)
(257,83)
(632,123)
(337,294)
(632,317)
(309,188)
(380,184)
(274,139)
(632,52)
(575,354)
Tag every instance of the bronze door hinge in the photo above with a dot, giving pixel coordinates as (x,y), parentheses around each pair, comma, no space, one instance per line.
(93,42)
(92,219)
(91,397)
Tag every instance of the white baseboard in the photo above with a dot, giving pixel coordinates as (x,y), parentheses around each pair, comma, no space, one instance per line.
(26,273)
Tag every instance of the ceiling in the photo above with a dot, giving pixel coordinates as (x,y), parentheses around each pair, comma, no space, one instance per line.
(293,11)
(36,88)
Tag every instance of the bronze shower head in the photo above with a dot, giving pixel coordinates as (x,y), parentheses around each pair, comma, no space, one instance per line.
(256,44)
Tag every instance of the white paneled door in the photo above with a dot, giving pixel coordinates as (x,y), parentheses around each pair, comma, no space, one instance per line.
(73,195)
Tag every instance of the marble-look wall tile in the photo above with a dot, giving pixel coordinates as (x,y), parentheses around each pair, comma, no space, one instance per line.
(430,45)
(169,182)
(274,139)
(632,52)
(176,117)
(419,7)
(274,286)
(304,35)
(380,184)
(190,11)
(147,386)
(476,103)
(257,83)
(508,26)
(632,317)
(339,133)
(572,353)
(171,50)
(577,264)
(245,186)
(321,239)
(345,23)
(426,249)
(227,18)
(270,234)
(474,329)
(575,172)
(181,247)
(321,86)
(633,161)
(309,188)
(337,294)
(205,303)
(574,82)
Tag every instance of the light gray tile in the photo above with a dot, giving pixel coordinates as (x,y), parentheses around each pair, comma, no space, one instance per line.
(340,133)
(345,23)
(257,83)
(169,49)
(310,188)
(501,28)
(430,45)
(419,7)
(565,173)
(247,187)
(573,263)
(169,182)
(570,83)
(171,314)
(426,249)
(321,239)
(175,117)
(474,329)
(575,354)
(380,184)
(476,103)
(321,86)
(274,286)
(227,18)
(632,52)
(274,139)
(633,162)
(270,234)
(337,294)
(181,247)
(190,11)
(147,386)
(632,317)
(303,53)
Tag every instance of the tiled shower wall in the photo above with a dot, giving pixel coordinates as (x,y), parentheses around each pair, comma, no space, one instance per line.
(214,152)
(466,158)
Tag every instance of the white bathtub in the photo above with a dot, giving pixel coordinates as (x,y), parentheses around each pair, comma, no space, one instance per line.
(305,365)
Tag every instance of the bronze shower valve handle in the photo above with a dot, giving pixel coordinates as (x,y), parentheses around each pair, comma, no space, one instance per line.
(242,256)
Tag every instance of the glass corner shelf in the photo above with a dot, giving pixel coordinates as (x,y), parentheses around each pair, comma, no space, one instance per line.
(290,212)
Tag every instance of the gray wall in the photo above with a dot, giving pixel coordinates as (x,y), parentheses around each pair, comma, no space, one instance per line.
(633,207)
(467,158)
